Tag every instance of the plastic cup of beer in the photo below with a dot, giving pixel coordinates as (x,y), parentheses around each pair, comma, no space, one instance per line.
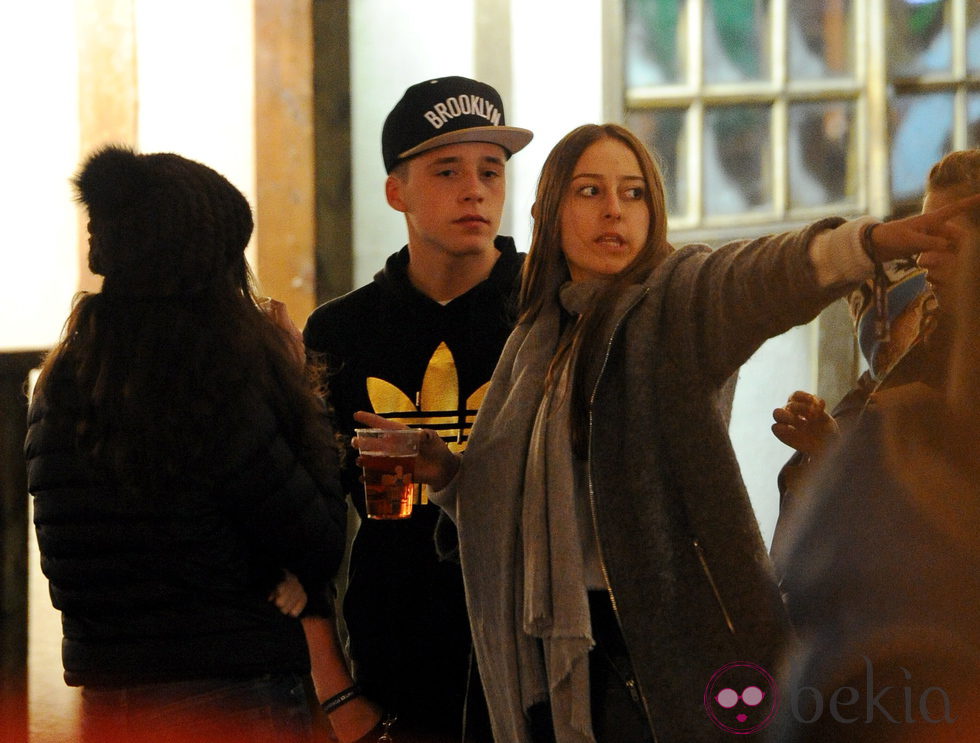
(388,459)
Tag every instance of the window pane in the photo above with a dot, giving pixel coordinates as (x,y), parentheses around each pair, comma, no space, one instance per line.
(820,39)
(918,37)
(821,163)
(664,133)
(973,36)
(921,133)
(973,120)
(736,40)
(654,42)
(737,160)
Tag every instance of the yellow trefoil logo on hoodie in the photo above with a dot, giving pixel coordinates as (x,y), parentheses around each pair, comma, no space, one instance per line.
(436,405)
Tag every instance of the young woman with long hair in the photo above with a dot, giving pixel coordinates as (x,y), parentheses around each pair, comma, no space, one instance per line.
(179,464)
(614,569)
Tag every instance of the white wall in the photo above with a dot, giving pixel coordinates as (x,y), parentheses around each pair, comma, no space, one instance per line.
(196,84)
(394,45)
(783,365)
(39,151)
(557,79)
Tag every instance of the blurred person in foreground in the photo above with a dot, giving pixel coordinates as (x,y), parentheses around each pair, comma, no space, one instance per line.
(881,566)
(920,305)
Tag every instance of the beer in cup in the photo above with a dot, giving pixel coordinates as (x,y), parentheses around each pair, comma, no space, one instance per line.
(388,459)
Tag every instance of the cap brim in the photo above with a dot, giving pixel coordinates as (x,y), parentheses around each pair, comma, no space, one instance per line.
(511,138)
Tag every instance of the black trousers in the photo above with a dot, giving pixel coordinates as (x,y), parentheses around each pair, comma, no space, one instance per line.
(617,712)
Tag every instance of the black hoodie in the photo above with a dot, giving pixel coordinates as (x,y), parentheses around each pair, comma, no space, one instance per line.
(405,609)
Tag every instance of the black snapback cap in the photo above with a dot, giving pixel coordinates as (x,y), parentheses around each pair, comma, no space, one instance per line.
(447,110)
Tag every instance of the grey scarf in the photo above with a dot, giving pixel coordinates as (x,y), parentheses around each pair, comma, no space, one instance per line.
(513,498)
(555,605)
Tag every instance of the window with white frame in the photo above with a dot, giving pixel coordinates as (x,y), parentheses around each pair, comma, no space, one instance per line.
(768,113)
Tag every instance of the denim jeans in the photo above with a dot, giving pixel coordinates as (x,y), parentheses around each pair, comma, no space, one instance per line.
(249,710)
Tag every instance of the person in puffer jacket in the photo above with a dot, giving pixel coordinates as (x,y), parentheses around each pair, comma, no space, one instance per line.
(182,468)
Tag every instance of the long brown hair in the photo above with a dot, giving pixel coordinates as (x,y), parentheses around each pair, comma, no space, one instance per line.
(959,174)
(157,389)
(959,170)
(546,268)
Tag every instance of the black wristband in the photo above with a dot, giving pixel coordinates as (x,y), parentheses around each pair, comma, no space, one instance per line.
(866,244)
(380,733)
(340,699)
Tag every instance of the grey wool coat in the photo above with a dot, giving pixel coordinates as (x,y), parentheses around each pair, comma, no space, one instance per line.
(688,571)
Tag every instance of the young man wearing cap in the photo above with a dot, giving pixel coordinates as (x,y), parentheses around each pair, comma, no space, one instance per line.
(419,344)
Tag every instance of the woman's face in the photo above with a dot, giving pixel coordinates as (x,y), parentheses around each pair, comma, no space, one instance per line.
(604,215)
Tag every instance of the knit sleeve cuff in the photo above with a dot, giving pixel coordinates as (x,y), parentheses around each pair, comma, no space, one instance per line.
(446,498)
(838,256)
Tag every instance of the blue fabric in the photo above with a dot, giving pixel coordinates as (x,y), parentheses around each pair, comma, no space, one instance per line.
(899,297)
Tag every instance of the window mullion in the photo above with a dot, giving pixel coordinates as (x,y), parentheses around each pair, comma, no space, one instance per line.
(695,114)
(780,107)
(614,99)
(959,29)
(873,35)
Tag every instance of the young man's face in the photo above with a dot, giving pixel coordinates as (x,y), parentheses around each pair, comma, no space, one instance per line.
(452,197)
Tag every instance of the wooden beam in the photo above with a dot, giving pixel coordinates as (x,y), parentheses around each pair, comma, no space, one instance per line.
(284,153)
(334,252)
(107,91)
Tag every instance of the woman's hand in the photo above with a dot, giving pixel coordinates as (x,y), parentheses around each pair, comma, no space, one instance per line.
(289,596)
(277,312)
(930,231)
(435,465)
(804,424)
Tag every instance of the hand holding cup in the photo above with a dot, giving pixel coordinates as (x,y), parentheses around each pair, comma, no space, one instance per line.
(435,464)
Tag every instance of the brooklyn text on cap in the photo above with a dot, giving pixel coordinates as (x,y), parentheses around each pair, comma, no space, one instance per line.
(447,110)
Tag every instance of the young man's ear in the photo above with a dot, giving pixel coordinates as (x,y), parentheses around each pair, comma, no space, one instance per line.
(393,193)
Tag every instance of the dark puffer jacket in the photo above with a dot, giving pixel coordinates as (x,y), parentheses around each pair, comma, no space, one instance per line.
(175,587)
